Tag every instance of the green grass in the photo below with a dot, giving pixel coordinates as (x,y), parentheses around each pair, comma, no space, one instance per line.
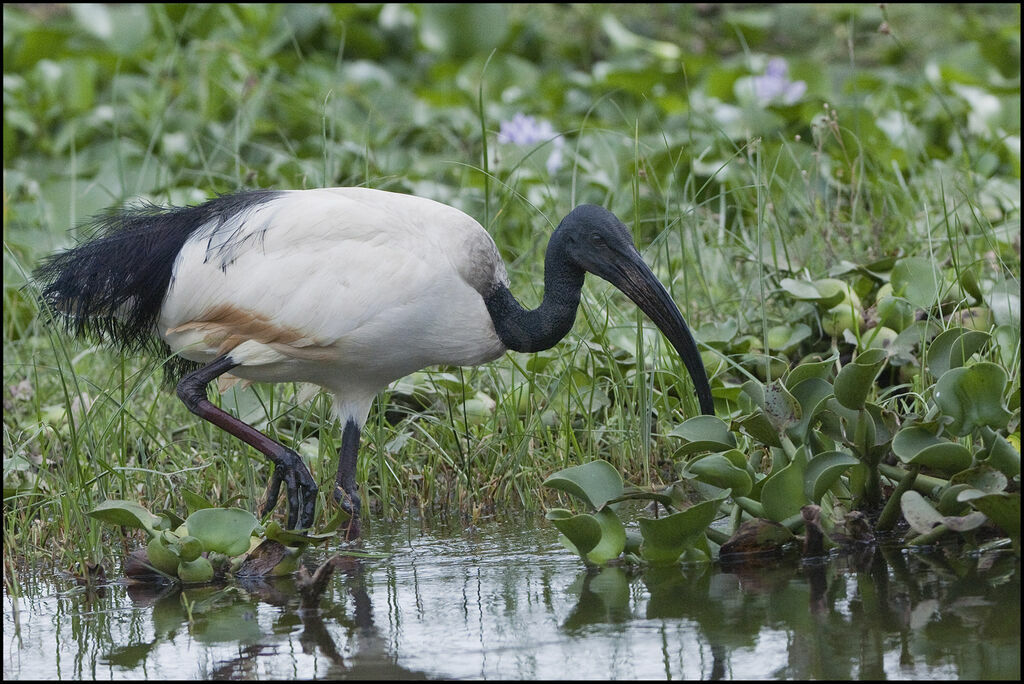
(905,143)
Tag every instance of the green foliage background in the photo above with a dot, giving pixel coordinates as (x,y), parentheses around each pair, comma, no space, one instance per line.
(906,143)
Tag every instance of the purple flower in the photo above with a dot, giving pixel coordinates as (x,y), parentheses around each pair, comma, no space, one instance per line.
(774,84)
(525,130)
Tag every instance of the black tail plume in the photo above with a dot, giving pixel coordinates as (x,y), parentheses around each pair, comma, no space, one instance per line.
(111,285)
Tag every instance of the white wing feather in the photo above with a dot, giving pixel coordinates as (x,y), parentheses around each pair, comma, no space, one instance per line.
(348,288)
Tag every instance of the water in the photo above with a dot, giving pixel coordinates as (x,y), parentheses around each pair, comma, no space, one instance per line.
(508,602)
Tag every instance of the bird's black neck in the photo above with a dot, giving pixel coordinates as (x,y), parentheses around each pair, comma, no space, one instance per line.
(525,330)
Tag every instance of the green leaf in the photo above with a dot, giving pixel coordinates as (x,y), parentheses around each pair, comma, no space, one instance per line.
(580,533)
(811,394)
(613,538)
(785,338)
(823,471)
(634,493)
(704,433)
(126,514)
(856,379)
(920,446)
(718,470)
(922,517)
(999,453)
(983,477)
(801,289)
(917,280)
(778,405)
(973,397)
(224,530)
(595,483)
(666,538)
(162,557)
(811,369)
(198,571)
(952,348)
(1002,508)
(285,537)
(193,501)
(759,427)
(782,494)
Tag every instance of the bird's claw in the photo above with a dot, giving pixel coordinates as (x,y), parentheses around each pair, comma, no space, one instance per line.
(351,504)
(300,488)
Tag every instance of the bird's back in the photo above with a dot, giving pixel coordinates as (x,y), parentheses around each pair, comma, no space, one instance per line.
(346,284)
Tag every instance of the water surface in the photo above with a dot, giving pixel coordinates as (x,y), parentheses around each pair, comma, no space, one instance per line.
(507,601)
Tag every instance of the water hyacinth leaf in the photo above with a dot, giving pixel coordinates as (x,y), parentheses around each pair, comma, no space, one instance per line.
(895,313)
(169,520)
(224,530)
(920,446)
(886,423)
(823,471)
(981,477)
(197,571)
(718,334)
(613,538)
(666,538)
(784,338)
(759,427)
(950,504)
(1002,508)
(811,394)
(856,379)
(1007,343)
(193,501)
(704,433)
(189,548)
(580,533)
(277,533)
(782,493)
(803,290)
(634,493)
(999,453)
(634,540)
(595,483)
(973,397)
(778,405)
(952,348)
(910,340)
(917,280)
(719,471)
(918,513)
(1003,299)
(835,293)
(811,367)
(127,514)
(922,517)
(162,557)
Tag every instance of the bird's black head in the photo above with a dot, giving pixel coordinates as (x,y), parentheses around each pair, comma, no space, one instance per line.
(593,239)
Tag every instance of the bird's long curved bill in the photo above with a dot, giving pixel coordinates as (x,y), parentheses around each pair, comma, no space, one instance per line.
(635,278)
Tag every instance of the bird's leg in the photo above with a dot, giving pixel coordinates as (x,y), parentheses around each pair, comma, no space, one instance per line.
(345,490)
(288,466)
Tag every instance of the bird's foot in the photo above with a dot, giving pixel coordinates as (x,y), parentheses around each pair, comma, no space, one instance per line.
(300,490)
(349,503)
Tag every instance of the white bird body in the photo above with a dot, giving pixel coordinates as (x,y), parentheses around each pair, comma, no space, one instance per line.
(346,288)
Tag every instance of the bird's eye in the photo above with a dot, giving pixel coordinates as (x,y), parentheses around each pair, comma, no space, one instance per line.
(596,240)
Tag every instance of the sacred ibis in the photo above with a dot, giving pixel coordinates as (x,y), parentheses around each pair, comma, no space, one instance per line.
(346,288)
